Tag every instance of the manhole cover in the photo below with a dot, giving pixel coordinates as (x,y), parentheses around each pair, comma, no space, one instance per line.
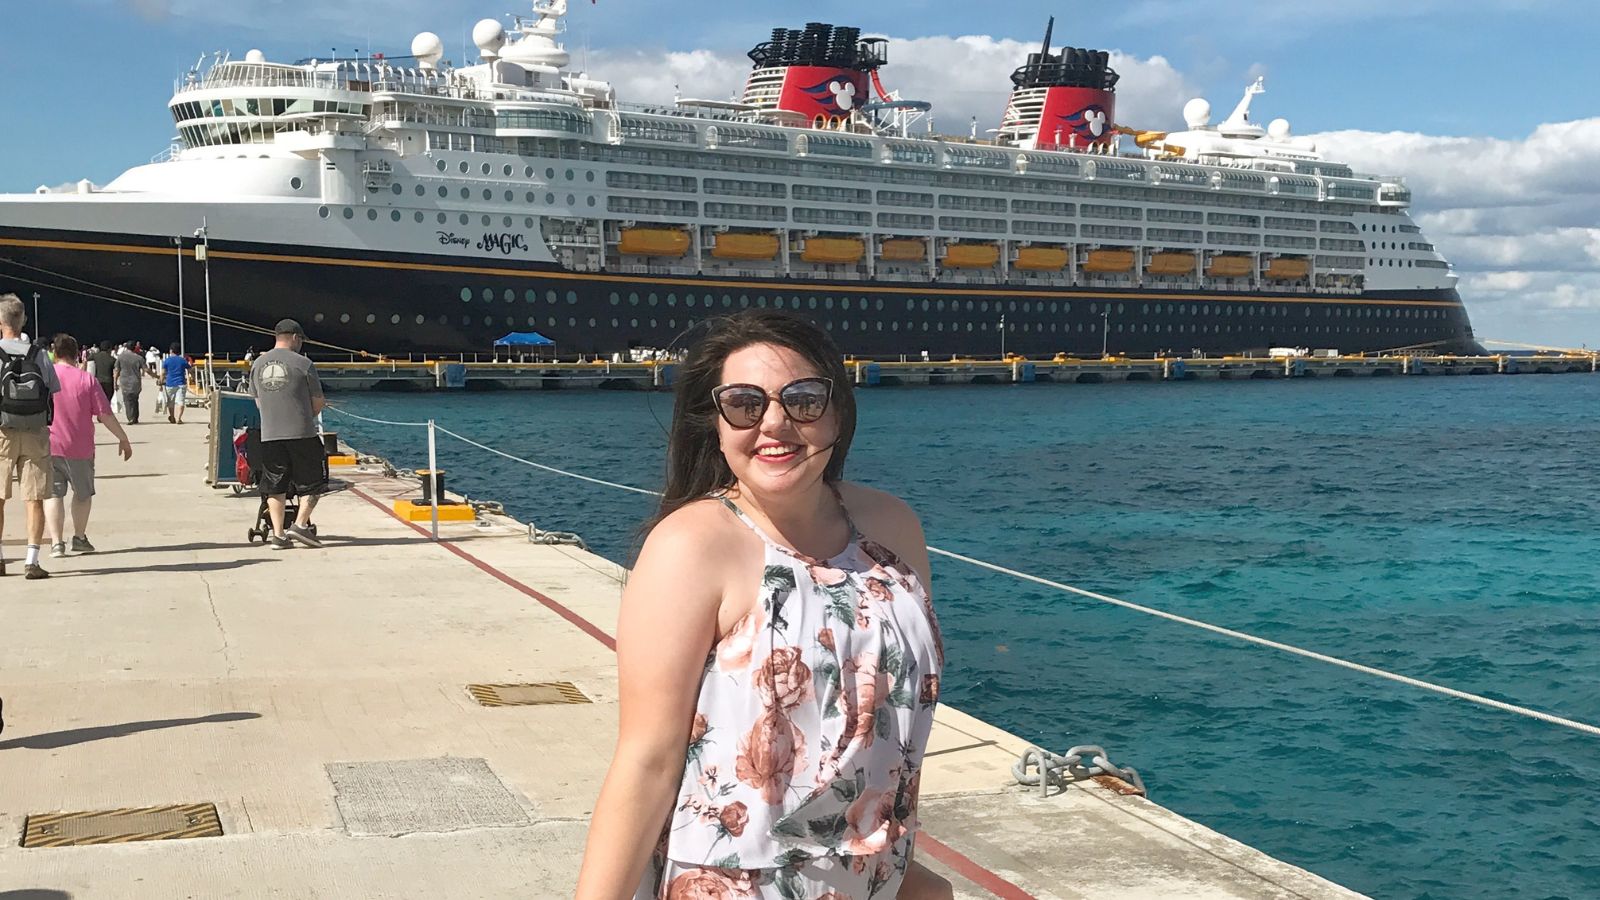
(422,795)
(526,694)
(118,826)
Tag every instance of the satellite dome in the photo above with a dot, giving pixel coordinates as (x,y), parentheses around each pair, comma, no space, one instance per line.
(255,56)
(1197,113)
(490,36)
(1278,129)
(428,49)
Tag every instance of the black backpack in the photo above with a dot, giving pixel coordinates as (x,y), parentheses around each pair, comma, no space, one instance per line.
(24,395)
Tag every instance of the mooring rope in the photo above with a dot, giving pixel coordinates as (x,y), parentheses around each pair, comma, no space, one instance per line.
(1114,601)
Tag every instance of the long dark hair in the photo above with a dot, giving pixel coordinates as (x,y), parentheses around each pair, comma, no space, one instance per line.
(695,464)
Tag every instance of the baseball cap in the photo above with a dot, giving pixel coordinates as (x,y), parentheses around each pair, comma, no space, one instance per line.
(289,326)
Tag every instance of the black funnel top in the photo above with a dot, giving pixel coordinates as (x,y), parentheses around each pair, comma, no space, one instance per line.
(820,44)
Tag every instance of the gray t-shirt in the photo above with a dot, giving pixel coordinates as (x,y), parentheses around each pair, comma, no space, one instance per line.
(101,364)
(284,383)
(130,369)
(15,347)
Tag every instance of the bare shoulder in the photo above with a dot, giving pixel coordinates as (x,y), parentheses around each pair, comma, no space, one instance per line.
(690,536)
(888,520)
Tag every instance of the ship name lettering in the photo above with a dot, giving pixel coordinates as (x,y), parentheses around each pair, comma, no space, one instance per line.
(504,241)
(449,237)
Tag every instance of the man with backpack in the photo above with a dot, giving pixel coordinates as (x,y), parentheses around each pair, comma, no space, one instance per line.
(27,381)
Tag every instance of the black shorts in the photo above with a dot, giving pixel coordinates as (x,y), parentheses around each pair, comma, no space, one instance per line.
(296,466)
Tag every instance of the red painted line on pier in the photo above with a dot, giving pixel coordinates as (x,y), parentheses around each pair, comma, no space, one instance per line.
(951,857)
(582,624)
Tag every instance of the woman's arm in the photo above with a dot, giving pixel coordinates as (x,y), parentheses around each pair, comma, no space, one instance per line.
(665,629)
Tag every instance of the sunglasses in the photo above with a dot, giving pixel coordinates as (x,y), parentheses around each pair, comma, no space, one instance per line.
(803,401)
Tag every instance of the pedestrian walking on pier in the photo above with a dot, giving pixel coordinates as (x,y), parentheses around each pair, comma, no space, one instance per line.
(289,395)
(130,378)
(79,404)
(777,652)
(103,365)
(175,384)
(27,381)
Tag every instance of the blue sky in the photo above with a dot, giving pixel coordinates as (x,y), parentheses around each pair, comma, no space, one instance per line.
(1448,92)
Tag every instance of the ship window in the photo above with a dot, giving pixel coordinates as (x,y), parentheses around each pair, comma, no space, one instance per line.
(550,174)
(295,183)
(322,212)
(505,221)
(372,215)
(509,196)
(484,221)
(443,192)
(466,194)
(652,300)
(463,167)
(572,200)
(588,176)
(394,215)
(440,165)
(550,199)
(488,194)
(591,201)
(349,213)
(462,218)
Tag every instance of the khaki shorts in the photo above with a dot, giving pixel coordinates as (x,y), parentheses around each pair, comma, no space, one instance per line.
(29,450)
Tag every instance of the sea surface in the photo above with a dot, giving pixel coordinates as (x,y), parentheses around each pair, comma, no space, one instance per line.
(1445,528)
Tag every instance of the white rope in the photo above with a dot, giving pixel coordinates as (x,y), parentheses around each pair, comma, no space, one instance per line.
(377,421)
(1286,648)
(1149,611)
(528,462)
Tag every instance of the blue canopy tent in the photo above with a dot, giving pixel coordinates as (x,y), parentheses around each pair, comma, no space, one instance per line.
(520,341)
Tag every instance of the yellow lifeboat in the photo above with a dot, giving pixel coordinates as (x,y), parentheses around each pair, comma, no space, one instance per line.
(654,242)
(1041,259)
(1109,261)
(1229,267)
(745,246)
(903,250)
(834,251)
(971,256)
(1287,269)
(1171,264)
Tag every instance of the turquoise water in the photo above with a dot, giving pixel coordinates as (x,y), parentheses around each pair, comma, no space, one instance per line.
(1439,527)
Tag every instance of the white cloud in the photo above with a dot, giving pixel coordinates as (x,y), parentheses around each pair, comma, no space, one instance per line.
(962,77)
(1518,218)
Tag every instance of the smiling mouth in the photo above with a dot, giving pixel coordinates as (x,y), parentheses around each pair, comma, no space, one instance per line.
(777,452)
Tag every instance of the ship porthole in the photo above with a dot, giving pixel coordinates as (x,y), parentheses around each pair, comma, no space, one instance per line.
(295,183)
(417,217)
(510,296)
(530,197)
(466,194)
(572,297)
(322,212)
(443,192)
(672,299)
(462,218)
(591,201)
(550,174)
(588,176)
(371,318)
(440,218)
(440,165)
(318,317)
(550,297)
(530,295)
(527,172)
(464,167)
(344,317)
(421,190)
(421,319)
(349,213)
(488,295)
(394,319)
(397,189)
(394,215)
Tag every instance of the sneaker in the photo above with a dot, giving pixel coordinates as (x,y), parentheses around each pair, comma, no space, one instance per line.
(58,551)
(304,535)
(81,544)
(171,418)
(280,542)
(34,572)
(2,567)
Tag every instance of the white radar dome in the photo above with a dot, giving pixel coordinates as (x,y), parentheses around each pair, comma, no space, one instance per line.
(255,56)
(490,36)
(428,49)
(1197,113)
(1278,129)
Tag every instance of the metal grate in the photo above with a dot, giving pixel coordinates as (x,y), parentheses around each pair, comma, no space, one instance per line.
(539,694)
(120,826)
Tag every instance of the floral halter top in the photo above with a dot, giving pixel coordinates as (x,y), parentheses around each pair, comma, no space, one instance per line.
(813,715)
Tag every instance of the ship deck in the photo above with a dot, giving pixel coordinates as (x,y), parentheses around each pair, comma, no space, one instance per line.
(318,698)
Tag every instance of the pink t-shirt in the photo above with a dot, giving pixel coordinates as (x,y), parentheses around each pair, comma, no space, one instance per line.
(77,403)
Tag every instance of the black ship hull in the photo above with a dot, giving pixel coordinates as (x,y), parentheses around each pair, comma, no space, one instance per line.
(125,287)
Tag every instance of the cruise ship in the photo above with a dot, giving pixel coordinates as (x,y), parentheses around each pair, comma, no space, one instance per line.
(404,205)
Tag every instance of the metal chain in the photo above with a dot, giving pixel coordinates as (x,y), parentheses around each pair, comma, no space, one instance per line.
(1041,767)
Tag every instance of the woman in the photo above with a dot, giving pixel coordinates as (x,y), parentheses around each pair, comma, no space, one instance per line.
(777,653)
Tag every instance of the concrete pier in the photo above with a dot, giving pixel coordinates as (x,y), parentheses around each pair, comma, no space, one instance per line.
(397,376)
(320,701)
